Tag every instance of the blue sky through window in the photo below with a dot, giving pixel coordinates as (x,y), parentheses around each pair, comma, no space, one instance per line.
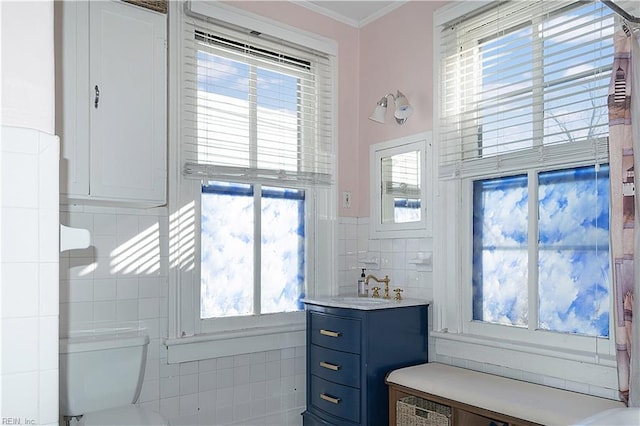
(251,110)
(573,251)
(500,237)
(577,46)
(283,235)
(223,76)
(227,250)
(564,60)
(507,80)
(543,82)
(227,242)
(251,115)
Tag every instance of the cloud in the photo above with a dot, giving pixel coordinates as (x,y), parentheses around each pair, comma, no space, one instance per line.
(226,74)
(227,255)
(573,263)
(227,247)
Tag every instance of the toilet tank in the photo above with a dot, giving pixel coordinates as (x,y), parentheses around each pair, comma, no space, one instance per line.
(101,371)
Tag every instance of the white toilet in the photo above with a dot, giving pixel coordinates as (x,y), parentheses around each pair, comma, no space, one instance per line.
(101,377)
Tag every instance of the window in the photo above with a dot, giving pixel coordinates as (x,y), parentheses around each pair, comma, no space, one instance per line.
(255,113)
(570,248)
(249,113)
(525,82)
(522,216)
(252,249)
(256,153)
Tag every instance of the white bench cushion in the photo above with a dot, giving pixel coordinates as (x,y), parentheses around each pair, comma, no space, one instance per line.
(523,400)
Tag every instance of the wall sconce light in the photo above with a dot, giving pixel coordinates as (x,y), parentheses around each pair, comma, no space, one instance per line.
(402,112)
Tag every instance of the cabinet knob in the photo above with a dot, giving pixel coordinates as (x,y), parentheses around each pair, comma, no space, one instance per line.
(96,99)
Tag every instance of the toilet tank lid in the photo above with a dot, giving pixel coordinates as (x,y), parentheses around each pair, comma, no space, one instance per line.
(101,341)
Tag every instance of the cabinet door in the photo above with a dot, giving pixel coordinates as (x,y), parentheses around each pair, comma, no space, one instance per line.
(127,83)
(72,95)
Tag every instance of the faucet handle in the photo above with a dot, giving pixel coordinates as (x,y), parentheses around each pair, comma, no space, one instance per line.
(376,292)
(397,297)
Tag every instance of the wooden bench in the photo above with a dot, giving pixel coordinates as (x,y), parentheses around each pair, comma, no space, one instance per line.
(479,398)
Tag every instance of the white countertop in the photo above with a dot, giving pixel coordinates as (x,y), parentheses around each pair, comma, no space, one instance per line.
(363,303)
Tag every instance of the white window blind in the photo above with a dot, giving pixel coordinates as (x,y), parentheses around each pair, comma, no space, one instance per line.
(401,175)
(524,83)
(256,109)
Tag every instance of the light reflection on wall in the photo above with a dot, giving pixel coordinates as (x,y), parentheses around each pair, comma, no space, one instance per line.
(182,237)
(88,269)
(139,255)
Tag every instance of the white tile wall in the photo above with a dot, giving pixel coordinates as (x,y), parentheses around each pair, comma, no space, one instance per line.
(263,388)
(394,257)
(122,277)
(122,280)
(29,270)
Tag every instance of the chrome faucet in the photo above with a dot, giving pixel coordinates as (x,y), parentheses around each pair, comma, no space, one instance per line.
(385,280)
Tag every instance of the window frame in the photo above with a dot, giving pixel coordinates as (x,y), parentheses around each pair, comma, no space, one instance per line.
(529,334)
(188,339)
(580,361)
(213,325)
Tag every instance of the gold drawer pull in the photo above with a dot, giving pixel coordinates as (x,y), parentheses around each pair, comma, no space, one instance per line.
(330,398)
(329,366)
(329,333)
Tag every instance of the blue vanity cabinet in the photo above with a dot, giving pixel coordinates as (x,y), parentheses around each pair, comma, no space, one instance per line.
(350,352)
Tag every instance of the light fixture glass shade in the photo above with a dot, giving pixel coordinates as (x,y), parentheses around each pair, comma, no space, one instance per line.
(380,111)
(403,109)
(402,112)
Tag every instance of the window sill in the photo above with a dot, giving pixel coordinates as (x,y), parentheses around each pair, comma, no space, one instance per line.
(235,342)
(570,365)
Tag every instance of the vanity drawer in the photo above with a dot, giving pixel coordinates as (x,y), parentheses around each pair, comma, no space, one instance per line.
(334,332)
(338,400)
(336,366)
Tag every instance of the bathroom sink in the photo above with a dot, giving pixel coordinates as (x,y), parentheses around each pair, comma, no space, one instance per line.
(361,300)
(362,303)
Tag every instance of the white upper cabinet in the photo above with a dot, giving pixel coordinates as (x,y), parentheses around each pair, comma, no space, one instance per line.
(111,103)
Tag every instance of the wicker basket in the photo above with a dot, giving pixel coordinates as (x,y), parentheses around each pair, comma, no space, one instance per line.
(414,411)
(156,5)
